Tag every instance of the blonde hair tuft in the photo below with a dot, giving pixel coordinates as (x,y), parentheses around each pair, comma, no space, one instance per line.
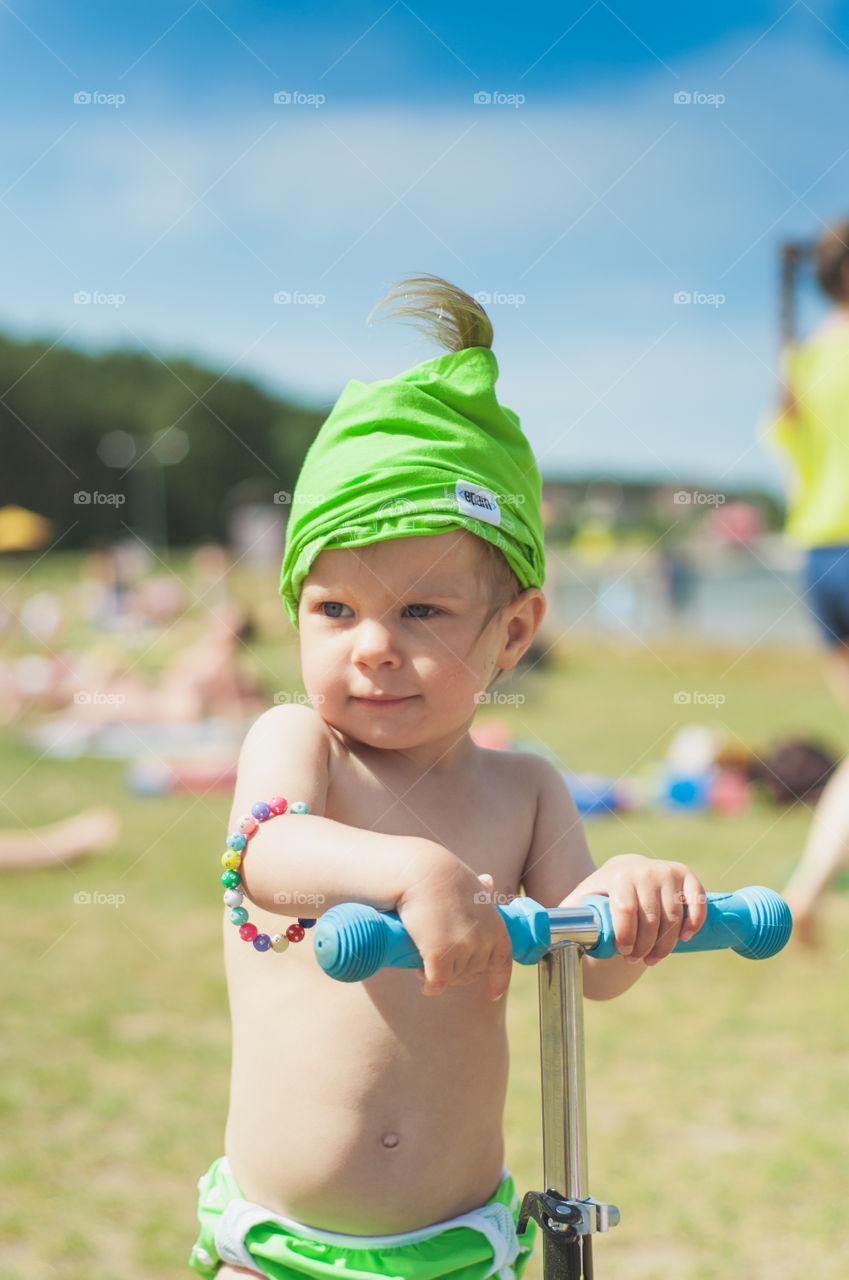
(442,310)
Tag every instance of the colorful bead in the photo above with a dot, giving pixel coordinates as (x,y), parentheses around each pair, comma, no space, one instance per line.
(237,841)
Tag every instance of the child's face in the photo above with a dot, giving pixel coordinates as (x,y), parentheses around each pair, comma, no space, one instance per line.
(394,648)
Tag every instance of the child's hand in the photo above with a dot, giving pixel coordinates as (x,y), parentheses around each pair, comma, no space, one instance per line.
(448,912)
(647,900)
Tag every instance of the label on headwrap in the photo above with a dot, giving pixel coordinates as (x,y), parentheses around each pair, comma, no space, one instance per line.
(472,500)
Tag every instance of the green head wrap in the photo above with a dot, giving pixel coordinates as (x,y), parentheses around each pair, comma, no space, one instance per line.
(427,451)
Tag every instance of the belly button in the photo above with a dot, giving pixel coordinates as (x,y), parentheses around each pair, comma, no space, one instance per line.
(390,1139)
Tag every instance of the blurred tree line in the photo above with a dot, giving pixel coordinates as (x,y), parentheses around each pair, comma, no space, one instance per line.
(135,434)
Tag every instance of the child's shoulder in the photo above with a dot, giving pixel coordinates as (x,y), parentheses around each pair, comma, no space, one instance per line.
(288,721)
(285,753)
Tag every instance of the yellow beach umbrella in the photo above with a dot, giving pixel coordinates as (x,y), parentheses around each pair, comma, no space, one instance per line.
(22,530)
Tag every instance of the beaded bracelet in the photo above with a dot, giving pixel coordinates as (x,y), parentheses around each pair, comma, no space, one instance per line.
(237,843)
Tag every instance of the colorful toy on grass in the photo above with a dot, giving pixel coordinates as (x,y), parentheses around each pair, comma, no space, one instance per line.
(730,793)
(689,780)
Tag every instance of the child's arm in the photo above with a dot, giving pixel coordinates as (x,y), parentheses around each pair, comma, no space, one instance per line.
(647,896)
(301,865)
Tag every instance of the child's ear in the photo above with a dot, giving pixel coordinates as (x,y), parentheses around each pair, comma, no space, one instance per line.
(522,619)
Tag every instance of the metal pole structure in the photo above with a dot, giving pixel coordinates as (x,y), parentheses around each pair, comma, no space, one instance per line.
(564,1108)
(566,1213)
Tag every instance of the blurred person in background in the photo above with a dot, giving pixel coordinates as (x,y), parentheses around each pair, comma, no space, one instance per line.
(811,428)
(202,681)
(90,831)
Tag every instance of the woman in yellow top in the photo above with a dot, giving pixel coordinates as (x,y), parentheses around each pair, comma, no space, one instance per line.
(812,428)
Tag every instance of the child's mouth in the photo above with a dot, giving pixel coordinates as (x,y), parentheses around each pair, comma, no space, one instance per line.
(384,701)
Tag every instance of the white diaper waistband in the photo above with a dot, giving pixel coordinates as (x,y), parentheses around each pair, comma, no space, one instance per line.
(494,1221)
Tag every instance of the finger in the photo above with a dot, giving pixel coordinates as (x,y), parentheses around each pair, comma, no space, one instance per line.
(468,976)
(624,910)
(426,986)
(648,921)
(488,884)
(438,973)
(587,886)
(695,897)
(672,916)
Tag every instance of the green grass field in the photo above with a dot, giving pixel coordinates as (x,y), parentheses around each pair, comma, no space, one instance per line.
(717,1087)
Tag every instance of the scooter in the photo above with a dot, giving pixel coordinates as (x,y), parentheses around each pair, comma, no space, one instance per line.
(352,941)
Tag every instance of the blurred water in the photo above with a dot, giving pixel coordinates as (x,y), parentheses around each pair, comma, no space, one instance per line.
(738,601)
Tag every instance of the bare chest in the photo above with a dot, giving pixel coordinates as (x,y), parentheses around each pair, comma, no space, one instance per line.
(484,816)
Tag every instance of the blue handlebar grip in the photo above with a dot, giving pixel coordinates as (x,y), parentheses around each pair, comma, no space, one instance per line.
(755,922)
(352,941)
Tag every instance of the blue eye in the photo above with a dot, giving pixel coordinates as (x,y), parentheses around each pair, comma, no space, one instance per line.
(336,609)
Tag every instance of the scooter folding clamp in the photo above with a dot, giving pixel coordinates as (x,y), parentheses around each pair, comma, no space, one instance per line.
(573,1217)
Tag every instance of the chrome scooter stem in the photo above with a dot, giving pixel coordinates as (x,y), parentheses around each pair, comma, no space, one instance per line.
(567,1215)
(564,1107)
(561,1006)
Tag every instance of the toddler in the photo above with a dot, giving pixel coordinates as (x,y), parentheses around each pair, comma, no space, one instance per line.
(364,1135)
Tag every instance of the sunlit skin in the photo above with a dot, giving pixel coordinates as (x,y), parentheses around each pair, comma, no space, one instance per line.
(375,1107)
(407,620)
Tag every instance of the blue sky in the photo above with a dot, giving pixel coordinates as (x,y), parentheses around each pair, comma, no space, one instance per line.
(582,198)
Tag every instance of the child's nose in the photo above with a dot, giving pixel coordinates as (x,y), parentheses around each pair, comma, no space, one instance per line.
(374,644)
